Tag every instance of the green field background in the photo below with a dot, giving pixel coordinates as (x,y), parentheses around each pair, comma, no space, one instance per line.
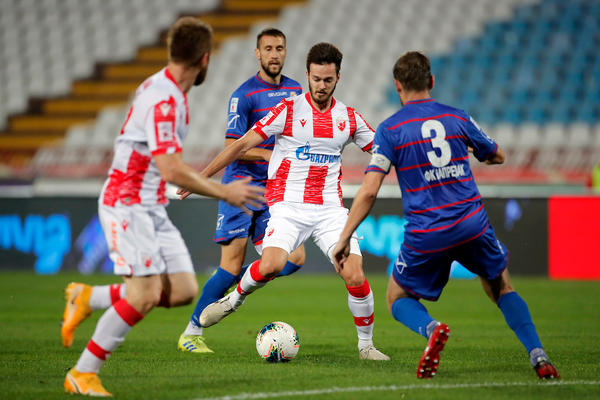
(482,350)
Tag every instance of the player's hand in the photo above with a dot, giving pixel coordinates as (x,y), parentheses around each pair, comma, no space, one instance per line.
(183,193)
(267,155)
(240,192)
(340,254)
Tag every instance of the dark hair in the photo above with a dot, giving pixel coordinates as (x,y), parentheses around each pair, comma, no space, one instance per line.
(269,32)
(413,71)
(188,40)
(324,53)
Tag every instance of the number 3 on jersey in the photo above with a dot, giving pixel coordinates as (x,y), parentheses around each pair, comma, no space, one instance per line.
(438,141)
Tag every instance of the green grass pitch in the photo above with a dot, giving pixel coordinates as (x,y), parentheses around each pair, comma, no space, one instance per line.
(483,358)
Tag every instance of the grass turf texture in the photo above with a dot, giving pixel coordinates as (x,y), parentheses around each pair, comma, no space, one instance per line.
(481,349)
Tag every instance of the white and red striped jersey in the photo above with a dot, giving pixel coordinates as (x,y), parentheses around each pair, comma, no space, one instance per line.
(305,166)
(157,123)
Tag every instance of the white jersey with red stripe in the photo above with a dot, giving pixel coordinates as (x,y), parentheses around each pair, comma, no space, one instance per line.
(305,166)
(157,123)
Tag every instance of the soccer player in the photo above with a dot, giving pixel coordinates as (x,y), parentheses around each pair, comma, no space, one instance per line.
(248,104)
(303,190)
(428,143)
(147,249)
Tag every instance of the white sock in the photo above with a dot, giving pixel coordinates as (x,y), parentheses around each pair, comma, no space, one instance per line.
(247,285)
(104,296)
(109,334)
(192,329)
(362,308)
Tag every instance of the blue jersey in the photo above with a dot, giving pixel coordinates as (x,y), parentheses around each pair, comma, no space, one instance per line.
(427,143)
(248,104)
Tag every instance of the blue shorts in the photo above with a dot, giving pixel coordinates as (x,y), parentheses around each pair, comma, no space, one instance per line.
(233,223)
(424,275)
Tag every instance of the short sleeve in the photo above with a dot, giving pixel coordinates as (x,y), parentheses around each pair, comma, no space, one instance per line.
(237,116)
(274,122)
(160,127)
(363,137)
(484,146)
(383,154)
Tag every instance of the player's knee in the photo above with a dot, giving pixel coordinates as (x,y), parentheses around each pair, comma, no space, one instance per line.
(269,269)
(356,278)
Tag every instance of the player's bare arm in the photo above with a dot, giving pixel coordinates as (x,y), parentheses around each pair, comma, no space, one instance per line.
(233,152)
(361,206)
(174,170)
(254,154)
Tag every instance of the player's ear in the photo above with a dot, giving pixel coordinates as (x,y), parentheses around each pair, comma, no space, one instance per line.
(398,85)
(205,59)
(431,84)
(257,53)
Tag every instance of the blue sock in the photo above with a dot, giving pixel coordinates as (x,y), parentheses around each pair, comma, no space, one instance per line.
(413,314)
(518,318)
(289,269)
(214,288)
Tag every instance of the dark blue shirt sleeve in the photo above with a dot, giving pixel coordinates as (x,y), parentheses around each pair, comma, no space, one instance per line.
(381,147)
(484,146)
(237,116)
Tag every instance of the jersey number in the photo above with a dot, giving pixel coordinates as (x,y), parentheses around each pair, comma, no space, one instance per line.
(438,141)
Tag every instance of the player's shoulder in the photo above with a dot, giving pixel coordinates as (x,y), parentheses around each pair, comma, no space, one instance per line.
(447,109)
(289,82)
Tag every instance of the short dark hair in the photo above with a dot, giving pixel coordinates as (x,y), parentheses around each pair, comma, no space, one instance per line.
(188,40)
(324,53)
(413,71)
(269,32)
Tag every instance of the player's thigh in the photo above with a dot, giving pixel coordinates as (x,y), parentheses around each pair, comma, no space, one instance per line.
(287,229)
(328,228)
(233,254)
(143,292)
(497,287)
(485,255)
(132,240)
(422,275)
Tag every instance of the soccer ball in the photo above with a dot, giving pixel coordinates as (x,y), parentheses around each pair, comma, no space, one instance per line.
(277,342)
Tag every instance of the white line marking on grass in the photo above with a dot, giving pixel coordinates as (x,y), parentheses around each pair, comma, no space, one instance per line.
(336,389)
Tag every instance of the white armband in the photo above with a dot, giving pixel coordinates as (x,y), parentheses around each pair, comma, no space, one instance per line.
(380,161)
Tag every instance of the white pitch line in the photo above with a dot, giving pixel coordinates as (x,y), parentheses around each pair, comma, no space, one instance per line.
(335,389)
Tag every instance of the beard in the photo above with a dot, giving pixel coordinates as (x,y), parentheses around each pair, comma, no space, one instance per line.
(273,70)
(320,100)
(201,76)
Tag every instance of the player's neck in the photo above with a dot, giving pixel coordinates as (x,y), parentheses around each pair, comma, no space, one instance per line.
(273,81)
(184,77)
(414,96)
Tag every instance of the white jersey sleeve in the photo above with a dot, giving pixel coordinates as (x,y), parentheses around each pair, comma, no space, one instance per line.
(364,135)
(274,122)
(160,126)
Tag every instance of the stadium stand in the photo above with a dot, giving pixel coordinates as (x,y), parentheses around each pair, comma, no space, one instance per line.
(69,59)
(528,71)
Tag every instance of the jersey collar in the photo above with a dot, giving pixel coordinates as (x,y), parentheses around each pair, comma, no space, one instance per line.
(267,83)
(419,101)
(170,77)
(307,96)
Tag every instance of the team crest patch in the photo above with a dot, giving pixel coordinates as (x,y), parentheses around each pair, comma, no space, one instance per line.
(165,108)
(341,124)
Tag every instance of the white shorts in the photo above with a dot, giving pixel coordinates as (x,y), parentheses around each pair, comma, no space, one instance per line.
(143,241)
(291,224)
